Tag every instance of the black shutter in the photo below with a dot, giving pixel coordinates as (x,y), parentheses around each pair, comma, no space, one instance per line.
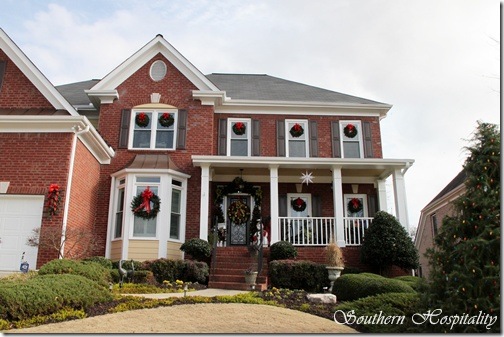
(282,205)
(335,140)
(368,143)
(281,138)
(222,141)
(182,130)
(313,139)
(316,206)
(124,132)
(2,72)
(256,134)
(372,205)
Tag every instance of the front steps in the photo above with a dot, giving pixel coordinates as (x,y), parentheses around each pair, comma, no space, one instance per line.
(230,264)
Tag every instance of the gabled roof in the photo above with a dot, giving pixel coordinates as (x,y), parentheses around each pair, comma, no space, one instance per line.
(36,77)
(262,87)
(74,92)
(456,182)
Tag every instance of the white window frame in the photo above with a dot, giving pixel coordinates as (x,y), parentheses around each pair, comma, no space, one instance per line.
(182,210)
(248,133)
(153,128)
(364,203)
(143,186)
(357,138)
(288,136)
(308,196)
(120,184)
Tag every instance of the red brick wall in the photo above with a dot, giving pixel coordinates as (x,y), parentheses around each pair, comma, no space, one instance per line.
(269,134)
(17,91)
(83,202)
(31,162)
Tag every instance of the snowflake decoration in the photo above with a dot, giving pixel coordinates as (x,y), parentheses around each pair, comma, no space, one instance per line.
(307,178)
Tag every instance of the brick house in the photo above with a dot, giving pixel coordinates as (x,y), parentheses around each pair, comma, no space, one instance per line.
(235,140)
(431,219)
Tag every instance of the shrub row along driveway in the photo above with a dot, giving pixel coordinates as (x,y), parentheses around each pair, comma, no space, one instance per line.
(198,318)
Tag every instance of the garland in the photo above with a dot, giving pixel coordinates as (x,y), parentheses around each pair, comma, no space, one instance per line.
(298,204)
(53,199)
(354,205)
(350,131)
(297,130)
(238,213)
(142,119)
(239,128)
(141,204)
(166,120)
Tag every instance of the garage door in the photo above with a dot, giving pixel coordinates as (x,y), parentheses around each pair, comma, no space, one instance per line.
(19,215)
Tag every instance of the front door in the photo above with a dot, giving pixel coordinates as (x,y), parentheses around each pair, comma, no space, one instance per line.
(238,233)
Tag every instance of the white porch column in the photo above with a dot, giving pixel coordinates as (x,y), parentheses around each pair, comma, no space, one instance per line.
(382,195)
(338,206)
(400,198)
(274,203)
(204,200)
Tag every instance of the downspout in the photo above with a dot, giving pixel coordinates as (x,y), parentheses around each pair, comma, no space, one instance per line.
(77,131)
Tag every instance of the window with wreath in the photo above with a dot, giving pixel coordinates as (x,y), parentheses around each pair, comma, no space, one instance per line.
(297,138)
(352,146)
(146,227)
(153,129)
(239,143)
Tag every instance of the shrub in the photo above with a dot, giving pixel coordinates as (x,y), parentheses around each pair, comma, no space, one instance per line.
(140,276)
(390,304)
(164,269)
(282,250)
(107,263)
(91,270)
(46,294)
(129,265)
(195,272)
(351,287)
(302,275)
(417,283)
(199,249)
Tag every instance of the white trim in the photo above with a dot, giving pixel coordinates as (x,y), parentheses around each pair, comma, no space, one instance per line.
(274,203)
(230,133)
(308,196)
(359,196)
(400,198)
(339,225)
(153,129)
(289,137)
(16,55)
(204,201)
(382,195)
(343,138)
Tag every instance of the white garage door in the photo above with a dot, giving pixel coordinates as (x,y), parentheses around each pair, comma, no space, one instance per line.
(19,215)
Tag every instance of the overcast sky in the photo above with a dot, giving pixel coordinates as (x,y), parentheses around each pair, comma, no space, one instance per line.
(436,61)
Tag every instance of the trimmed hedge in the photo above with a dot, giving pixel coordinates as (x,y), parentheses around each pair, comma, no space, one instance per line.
(302,275)
(351,287)
(91,270)
(107,263)
(195,271)
(390,304)
(199,249)
(172,270)
(46,294)
(282,250)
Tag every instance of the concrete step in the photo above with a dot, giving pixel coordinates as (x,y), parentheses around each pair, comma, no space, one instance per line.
(234,271)
(235,278)
(235,286)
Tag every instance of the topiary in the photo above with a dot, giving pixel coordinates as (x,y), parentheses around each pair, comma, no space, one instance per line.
(199,249)
(351,287)
(282,250)
(91,270)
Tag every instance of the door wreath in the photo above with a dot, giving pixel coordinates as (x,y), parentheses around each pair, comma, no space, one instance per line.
(238,213)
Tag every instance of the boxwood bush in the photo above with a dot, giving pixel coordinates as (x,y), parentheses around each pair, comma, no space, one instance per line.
(414,282)
(91,270)
(46,294)
(199,249)
(172,270)
(302,275)
(107,263)
(282,250)
(351,287)
(195,271)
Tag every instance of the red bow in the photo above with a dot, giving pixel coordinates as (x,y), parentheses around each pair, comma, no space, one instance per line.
(297,127)
(350,127)
(146,196)
(355,203)
(239,125)
(141,117)
(299,201)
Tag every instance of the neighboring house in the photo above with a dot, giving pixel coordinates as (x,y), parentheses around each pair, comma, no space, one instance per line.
(234,140)
(431,219)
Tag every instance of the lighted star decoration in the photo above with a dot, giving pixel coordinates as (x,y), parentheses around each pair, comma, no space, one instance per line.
(307,178)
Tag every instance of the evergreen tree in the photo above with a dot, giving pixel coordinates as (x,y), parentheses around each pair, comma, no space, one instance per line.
(387,243)
(465,260)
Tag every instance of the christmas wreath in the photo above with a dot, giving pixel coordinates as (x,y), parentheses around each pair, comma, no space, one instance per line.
(354,205)
(350,130)
(298,204)
(239,128)
(146,204)
(297,130)
(166,120)
(238,212)
(142,119)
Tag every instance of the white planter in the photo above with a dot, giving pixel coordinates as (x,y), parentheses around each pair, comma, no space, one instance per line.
(334,273)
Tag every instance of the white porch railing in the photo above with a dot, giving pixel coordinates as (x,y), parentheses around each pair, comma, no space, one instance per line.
(318,231)
(354,230)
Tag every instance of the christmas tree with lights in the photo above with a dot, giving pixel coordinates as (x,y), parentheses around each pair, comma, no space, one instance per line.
(465,260)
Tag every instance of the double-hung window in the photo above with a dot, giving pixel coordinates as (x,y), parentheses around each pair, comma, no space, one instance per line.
(153,129)
(146,227)
(352,146)
(176,209)
(297,138)
(119,210)
(239,132)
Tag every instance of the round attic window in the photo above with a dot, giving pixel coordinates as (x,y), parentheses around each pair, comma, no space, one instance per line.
(158,70)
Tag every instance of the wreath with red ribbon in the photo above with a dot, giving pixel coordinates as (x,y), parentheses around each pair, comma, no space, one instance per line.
(53,199)
(239,128)
(350,131)
(296,130)
(142,119)
(354,205)
(146,204)
(166,120)
(298,204)
(238,212)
